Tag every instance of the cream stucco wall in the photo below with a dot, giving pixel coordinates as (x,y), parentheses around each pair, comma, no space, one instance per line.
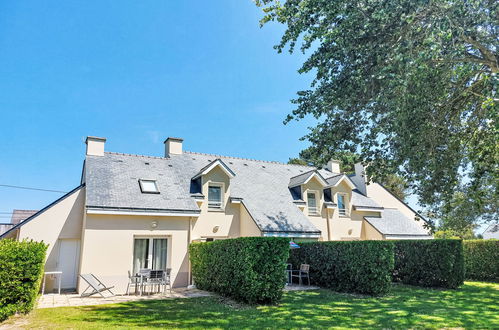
(318,220)
(107,249)
(227,220)
(247,224)
(63,220)
(369,232)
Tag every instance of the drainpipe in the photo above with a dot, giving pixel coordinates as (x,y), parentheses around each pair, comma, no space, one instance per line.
(328,225)
(189,276)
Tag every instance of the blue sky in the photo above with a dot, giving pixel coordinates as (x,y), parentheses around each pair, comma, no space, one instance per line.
(136,72)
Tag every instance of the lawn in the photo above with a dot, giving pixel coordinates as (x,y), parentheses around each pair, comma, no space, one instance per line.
(474,305)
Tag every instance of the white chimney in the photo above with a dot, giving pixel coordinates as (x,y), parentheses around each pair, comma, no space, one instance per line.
(173,146)
(95,145)
(360,178)
(334,166)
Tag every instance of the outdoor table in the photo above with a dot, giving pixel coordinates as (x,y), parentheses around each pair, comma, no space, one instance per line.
(59,273)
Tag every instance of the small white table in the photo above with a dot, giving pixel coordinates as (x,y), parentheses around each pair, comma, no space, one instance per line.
(59,275)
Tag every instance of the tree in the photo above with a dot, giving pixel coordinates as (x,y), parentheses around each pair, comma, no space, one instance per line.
(314,157)
(410,85)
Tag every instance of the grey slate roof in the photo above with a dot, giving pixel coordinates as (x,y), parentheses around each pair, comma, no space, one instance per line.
(112,182)
(393,222)
(360,200)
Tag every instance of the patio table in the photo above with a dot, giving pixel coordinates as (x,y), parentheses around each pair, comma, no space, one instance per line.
(59,273)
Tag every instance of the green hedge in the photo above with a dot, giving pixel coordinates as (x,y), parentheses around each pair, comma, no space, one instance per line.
(21,269)
(429,263)
(248,269)
(481,260)
(355,266)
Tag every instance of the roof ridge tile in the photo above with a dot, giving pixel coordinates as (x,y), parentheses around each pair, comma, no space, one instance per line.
(242,158)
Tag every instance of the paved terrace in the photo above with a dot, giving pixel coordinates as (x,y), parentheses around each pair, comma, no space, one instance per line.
(73,299)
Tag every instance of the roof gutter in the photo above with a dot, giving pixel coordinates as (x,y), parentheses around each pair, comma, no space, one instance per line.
(142,212)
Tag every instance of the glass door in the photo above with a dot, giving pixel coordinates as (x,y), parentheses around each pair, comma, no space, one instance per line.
(150,253)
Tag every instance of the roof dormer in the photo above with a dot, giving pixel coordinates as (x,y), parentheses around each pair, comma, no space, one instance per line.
(304,178)
(212,182)
(216,163)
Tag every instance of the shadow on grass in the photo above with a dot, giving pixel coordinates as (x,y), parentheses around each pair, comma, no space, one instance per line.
(475,305)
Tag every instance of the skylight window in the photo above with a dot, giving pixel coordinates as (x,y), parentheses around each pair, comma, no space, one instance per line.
(148,186)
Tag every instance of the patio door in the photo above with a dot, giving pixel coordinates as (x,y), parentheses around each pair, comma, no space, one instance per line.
(150,253)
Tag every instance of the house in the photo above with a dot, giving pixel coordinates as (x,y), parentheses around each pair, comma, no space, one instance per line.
(17,217)
(133,211)
(492,231)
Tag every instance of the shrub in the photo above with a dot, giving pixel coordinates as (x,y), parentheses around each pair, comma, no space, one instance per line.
(481,260)
(429,263)
(21,269)
(247,269)
(355,266)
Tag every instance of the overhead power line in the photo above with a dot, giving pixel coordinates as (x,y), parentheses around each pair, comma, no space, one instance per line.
(31,188)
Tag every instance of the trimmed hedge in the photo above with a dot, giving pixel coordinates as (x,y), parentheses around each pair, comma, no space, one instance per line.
(247,269)
(21,269)
(349,266)
(429,263)
(481,260)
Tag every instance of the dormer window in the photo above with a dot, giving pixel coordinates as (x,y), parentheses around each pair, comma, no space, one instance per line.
(215,200)
(342,205)
(148,186)
(312,203)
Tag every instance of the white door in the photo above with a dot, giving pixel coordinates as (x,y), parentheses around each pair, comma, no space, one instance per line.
(69,251)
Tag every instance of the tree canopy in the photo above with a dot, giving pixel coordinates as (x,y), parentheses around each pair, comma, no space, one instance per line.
(409,85)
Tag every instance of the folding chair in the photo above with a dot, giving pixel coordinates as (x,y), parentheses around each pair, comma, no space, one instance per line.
(97,286)
(304,271)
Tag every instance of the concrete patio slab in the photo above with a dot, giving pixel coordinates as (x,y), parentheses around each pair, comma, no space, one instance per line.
(73,299)
(294,287)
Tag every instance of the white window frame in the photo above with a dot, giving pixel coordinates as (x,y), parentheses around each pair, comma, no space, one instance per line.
(313,211)
(150,249)
(148,191)
(342,212)
(222,195)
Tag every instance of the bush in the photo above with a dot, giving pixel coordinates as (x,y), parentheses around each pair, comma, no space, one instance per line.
(247,269)
(429,263)
(355,266)
(481,260)
(21,269)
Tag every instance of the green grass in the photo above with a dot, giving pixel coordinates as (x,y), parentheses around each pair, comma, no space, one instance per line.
(474,305)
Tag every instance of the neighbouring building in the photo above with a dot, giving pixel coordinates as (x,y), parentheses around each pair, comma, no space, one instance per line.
(131,211)
(16,217)
(492,231)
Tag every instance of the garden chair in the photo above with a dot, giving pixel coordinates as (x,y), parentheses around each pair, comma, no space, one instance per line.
(155,278)
(304,271)
(97,286)
(143,275)
(133,280)
(160,278)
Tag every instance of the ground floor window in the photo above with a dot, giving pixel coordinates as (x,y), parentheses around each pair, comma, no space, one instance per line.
(150,253)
